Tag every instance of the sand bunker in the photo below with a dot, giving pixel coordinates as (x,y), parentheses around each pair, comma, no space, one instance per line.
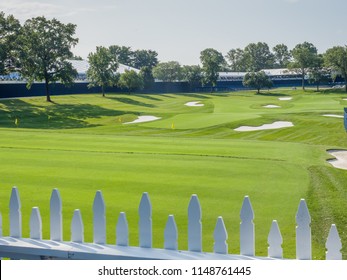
(285,98)
(271,106)
(274,125)
(194,104)
(333,116)
(340,160)
(142,119)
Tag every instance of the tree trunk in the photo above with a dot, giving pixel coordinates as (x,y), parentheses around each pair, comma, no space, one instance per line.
(103,91)
(48,96)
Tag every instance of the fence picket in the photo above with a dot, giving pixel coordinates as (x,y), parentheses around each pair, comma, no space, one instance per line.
(145,223)
(56,216)
(247,235)
(77,228)
(35,224)
(220,237)
(303,232)
(170,234)
(333,245)
(15,214)
(194,225)
(99,219)
(275,241)
(122,230)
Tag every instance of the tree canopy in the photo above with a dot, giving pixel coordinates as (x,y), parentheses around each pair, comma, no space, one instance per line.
(336,58)
(257,80)
(167,71)
(130,80)
(305,56)
(44,46)
(9,31)
(102,70)
(212,63)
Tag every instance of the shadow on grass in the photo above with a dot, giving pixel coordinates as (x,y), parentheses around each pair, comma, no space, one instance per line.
(146,96)
(54,116)
(271,94)
(130,101)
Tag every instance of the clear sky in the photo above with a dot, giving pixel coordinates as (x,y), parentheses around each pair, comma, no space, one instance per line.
(180,29)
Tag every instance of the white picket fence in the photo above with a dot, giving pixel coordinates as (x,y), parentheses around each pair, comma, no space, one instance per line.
(16,247)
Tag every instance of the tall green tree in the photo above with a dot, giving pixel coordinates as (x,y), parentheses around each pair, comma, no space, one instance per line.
(212,63)
(192,74)
(336,58)
(122,54)
(318,73)
(236,60)
(168,71)
(147,76)
(257,80)
(130,80)
(305,56)
(44,48)
(258,56)
(102,71)
(142,58)
(9,31)
(282,56)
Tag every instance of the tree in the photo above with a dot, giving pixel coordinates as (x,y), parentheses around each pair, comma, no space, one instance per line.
(318,73)
(257,80)
(102,69)
(257,56)
(147,76)
(212,63)
(142,58)
(167,71)
(130,80)
(122,54)
(192,74)
(44,48)
(281,56)
(336,58)
(236,60)
(9,31)
(305,56)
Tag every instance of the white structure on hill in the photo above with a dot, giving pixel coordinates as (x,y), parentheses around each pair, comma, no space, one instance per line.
(274,74)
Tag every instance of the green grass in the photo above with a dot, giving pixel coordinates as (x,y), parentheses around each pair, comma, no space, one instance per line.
(80,144)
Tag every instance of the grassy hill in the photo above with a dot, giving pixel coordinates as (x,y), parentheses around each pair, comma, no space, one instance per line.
(81,144)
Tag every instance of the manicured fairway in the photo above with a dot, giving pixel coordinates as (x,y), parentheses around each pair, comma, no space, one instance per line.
(80,145)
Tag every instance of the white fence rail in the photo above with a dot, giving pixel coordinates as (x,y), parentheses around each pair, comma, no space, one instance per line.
(16,247)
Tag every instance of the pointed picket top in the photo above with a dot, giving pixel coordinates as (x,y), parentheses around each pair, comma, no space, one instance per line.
(77,228)
(56,216)
(99,219)
(303,232)
(247,213)
(0,225)
(35,224)
(247,234)
(220,237)
(333,245)
(15,214)
(275,241)
(194,225)
(303,217)
(145,223)
(122,230)
(171,234)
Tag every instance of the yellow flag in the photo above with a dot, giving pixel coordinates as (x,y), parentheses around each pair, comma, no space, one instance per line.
(172,126)
(16,122)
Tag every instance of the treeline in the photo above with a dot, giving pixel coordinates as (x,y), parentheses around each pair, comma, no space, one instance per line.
(40,50)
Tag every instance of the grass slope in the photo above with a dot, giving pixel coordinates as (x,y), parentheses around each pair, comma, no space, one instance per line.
(80,145)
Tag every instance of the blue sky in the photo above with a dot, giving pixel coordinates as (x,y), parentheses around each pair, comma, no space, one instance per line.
(180,29)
